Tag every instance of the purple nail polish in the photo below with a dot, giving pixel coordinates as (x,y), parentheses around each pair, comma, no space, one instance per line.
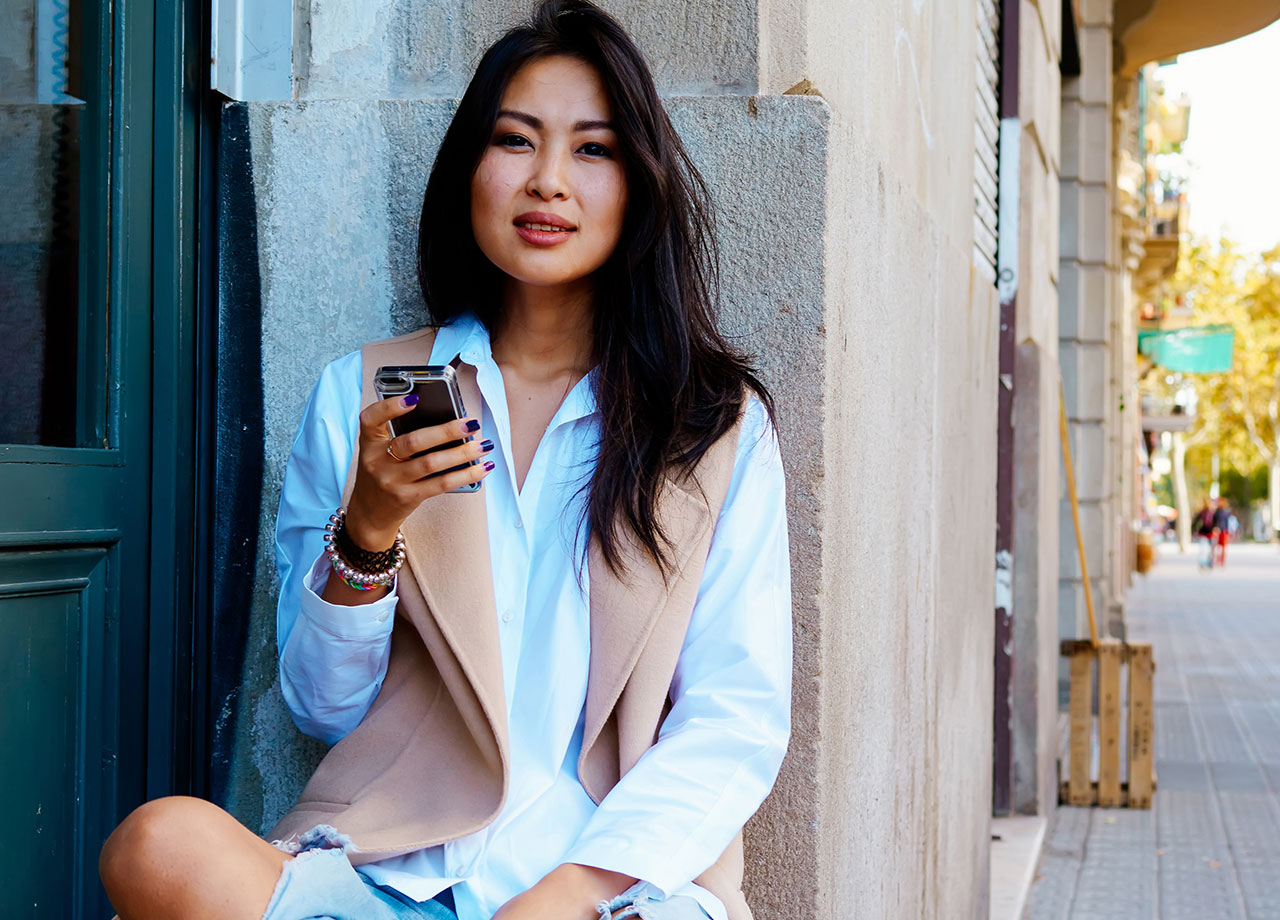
(486,446)
(410,401)
(473,425)
(488,466)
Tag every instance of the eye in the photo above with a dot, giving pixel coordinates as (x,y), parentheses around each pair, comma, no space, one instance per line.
(595,150)
(512,140)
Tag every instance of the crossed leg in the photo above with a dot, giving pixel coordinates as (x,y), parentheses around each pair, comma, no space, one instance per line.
(181,858)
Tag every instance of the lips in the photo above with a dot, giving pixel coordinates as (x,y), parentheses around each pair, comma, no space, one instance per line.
(544,220)
(541,228)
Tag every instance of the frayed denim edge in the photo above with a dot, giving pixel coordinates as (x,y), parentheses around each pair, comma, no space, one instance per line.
(624,906)
(320,837)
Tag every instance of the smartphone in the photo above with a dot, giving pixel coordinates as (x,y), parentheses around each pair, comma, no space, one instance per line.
(439,401)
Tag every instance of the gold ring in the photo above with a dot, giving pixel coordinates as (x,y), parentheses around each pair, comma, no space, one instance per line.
(393,453)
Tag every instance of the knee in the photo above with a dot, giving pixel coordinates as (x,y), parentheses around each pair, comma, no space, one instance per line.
(151,840)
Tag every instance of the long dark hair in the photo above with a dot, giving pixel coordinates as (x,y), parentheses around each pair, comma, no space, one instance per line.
(668,384)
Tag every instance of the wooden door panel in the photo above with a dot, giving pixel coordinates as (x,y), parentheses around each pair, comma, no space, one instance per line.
(56,723)
(97,525)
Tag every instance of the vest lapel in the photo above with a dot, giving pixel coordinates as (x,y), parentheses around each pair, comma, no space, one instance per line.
(625,610)
(447,541)
(447,550)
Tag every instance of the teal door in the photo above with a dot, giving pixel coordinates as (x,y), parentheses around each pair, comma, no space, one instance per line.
(95,294)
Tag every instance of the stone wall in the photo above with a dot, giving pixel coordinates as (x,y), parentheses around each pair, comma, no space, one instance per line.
(846,219)
(907,607)
(1089,291)
(1035,421)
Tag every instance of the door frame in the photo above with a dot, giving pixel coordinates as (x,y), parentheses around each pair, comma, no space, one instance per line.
(184,348)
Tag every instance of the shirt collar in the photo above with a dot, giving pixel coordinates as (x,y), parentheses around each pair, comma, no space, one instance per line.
(466,337)
(463,337)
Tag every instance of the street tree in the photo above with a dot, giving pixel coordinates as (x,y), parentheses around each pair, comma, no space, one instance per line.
(1239,410)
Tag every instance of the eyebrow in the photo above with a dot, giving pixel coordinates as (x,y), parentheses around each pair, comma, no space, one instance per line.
(536,123)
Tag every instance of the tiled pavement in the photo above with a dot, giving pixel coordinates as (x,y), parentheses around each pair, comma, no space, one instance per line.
(1210,848)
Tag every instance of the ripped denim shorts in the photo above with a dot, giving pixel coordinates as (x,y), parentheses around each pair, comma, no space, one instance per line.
(321,884)
(637,901)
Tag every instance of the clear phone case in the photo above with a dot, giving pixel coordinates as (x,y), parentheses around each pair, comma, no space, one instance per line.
(439,401)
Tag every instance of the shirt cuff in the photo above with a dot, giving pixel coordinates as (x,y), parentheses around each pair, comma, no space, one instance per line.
(619,854)
(360,621)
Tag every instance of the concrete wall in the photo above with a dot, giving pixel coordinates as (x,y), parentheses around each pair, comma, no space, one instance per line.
(846,225)
(904,772)
(1089,292)
(1035,415)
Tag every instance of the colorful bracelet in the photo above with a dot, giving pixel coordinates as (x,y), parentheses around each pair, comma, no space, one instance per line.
(356,576)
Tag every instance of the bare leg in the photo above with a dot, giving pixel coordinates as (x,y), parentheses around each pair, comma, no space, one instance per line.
(181,858)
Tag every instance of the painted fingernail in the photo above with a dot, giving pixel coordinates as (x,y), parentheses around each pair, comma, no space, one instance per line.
(486,446)
(410,401)
(473,425)
(488,466)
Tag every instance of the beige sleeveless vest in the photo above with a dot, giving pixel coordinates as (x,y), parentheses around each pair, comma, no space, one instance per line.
(428,763)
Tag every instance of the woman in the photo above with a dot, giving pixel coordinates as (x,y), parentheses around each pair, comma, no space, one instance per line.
(576,691)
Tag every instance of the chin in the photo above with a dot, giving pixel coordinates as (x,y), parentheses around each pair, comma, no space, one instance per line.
(546,281)
(544,275)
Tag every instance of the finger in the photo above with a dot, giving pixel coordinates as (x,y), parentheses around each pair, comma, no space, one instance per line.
(447,482)
(374,417)
(439,460)
(412,442)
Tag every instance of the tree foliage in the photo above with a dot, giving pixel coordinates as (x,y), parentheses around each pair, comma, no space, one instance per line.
(1238,411)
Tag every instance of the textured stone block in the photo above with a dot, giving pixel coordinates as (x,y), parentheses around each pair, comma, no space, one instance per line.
(1091,520)
(408,50)
(1085,222)
(1094,12)
(1095,64)
(1085,380)
(1073,616)
(1082,302)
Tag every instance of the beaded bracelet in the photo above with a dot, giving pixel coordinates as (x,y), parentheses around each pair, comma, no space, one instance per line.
(360,558)
(385,564)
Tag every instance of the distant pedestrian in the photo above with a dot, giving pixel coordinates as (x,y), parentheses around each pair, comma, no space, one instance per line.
(1222,529)
(1202,524)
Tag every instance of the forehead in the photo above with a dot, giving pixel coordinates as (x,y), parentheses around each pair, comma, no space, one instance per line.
(558,89)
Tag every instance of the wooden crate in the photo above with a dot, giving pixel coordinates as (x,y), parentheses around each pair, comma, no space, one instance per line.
(1109,789)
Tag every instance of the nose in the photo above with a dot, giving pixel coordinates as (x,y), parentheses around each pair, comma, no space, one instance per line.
(548,180)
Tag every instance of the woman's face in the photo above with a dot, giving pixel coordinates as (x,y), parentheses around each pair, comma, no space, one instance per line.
(549,193)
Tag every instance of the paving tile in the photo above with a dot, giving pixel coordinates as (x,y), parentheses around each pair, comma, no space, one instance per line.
(1209,849)
(1174,737)
(1262,727)
(1182,776)
(1238,777)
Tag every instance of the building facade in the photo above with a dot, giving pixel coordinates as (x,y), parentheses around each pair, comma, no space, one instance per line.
(928,231)
(839,143)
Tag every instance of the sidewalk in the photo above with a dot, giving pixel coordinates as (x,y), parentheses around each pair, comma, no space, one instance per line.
(1210,849)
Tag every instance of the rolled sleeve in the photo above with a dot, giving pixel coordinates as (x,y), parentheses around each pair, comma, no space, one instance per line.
(332,658)
(332,666)
(720,748)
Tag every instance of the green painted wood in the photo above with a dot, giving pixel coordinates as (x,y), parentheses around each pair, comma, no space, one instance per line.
(175,700)
(95,541)
(52,649)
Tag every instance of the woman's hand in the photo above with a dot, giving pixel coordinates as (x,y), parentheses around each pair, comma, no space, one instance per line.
(567,892)
(387,490)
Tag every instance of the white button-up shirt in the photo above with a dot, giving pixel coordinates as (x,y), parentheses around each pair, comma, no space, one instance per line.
(720,747)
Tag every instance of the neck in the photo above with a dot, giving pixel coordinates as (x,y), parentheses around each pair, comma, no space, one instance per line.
(547,328)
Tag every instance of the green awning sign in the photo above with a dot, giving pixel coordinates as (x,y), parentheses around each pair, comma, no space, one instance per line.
(1193,350)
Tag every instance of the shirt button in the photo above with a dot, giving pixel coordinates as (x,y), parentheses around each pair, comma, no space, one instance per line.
(519,524)
(506,616)
(459,871)
(382,618)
